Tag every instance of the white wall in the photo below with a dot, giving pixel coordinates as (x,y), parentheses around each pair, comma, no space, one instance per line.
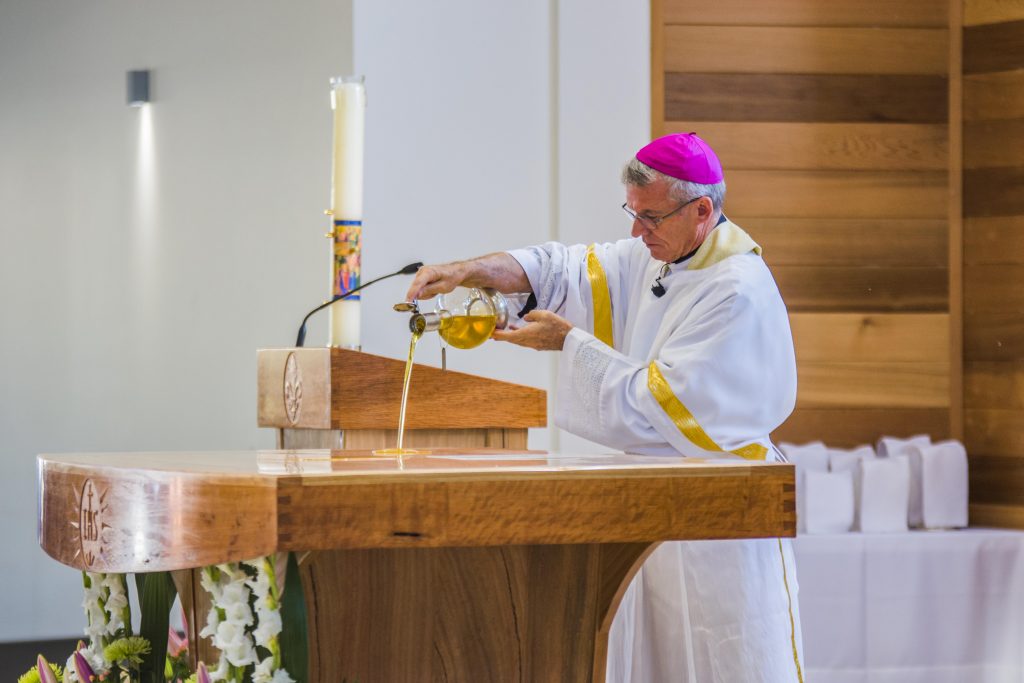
(490,125)
(145,255)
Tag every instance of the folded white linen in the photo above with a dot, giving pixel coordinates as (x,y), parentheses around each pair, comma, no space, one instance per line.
(808,457)
(938,485)
(827,502)
(889,446)
(883,494)
(846,459)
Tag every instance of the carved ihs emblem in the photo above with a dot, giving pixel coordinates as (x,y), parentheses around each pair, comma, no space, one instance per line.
(292,389)
(91,524)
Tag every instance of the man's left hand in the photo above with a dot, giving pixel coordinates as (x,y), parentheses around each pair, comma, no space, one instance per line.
(546,332)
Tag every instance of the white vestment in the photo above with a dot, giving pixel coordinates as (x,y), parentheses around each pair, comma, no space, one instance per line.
(705,370)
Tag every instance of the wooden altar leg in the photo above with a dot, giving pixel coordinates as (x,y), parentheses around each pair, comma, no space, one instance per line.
(515,613)
(195,602)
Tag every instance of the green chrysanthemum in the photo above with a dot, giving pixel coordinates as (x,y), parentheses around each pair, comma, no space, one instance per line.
(32,675)
(130,649)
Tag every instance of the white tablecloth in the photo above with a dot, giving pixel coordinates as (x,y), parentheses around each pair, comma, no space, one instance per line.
(916,607)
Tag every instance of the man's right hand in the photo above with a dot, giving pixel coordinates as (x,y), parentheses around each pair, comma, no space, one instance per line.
(433,280)
(498,270)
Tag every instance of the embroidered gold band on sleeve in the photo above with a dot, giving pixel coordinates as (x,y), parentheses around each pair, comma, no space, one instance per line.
(687,423)
(601,298)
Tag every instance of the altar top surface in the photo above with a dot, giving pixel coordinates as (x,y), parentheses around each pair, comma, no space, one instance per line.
(320,463)
(171,510)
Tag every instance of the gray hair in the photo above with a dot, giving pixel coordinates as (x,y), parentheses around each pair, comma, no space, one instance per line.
(640,174)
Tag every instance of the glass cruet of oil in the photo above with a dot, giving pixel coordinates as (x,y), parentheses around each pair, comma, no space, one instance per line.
(469,315)
(464,317)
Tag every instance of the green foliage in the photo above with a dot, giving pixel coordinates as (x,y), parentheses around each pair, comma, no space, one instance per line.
(155,599)
(294,636)
(128,652)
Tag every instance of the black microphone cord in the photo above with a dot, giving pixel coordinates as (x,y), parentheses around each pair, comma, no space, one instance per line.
(407,270)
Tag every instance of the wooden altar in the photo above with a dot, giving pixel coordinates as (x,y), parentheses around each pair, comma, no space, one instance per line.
(478,561)
(459,565)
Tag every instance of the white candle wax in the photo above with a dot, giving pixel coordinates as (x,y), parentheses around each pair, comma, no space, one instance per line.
(348,100)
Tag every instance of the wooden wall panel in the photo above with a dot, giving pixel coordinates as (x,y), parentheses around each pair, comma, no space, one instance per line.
(1009,516)
(756,49)
(994,47)
(993,431)
(994,385)
(858,13)
(992,11)
(851,242)
(993,143)
(831,288)
(997,191)
(823,146)
(866,338)
(956,219)
(832,123)
(805,97)
(873,385)
(849,426)
(835,194)
(996,480)
(991,335)
(993,187)
(994,240)
(989,97)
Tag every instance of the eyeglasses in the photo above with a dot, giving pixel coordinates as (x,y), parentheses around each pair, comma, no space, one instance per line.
(652,222)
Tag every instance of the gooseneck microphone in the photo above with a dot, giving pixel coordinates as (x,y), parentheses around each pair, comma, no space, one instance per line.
(407,270)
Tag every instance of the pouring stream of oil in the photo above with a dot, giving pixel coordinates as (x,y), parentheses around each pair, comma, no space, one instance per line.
(462,332)
(398,450)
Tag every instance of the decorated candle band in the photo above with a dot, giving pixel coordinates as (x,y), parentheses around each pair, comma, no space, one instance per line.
(347,267)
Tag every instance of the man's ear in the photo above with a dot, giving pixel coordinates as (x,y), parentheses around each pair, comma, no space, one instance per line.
(705,208)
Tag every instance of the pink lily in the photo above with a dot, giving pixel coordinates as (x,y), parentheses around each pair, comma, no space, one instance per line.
(175,643)
(202,675)
(82,668)
(46,674)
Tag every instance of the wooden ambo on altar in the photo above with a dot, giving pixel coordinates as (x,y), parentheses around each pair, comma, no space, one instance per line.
(339,398)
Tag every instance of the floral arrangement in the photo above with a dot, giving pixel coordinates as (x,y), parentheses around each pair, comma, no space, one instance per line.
(245,624)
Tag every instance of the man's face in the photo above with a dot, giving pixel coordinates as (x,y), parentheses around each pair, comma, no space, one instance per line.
(678,234)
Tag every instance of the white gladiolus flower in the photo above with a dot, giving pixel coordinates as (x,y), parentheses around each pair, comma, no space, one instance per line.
(221,672)
(212,621)
(261,584)
(264,671)
(238,613)
(269,626)
(233,626)
(235,593)
(235,643)
(281,676)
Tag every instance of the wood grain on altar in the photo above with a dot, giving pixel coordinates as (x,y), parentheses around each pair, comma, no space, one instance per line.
(994,259)
(533,613)
(452,566)
(832,120)
(371,439)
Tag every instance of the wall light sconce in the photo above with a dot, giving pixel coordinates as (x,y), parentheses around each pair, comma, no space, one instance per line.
(138,88)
